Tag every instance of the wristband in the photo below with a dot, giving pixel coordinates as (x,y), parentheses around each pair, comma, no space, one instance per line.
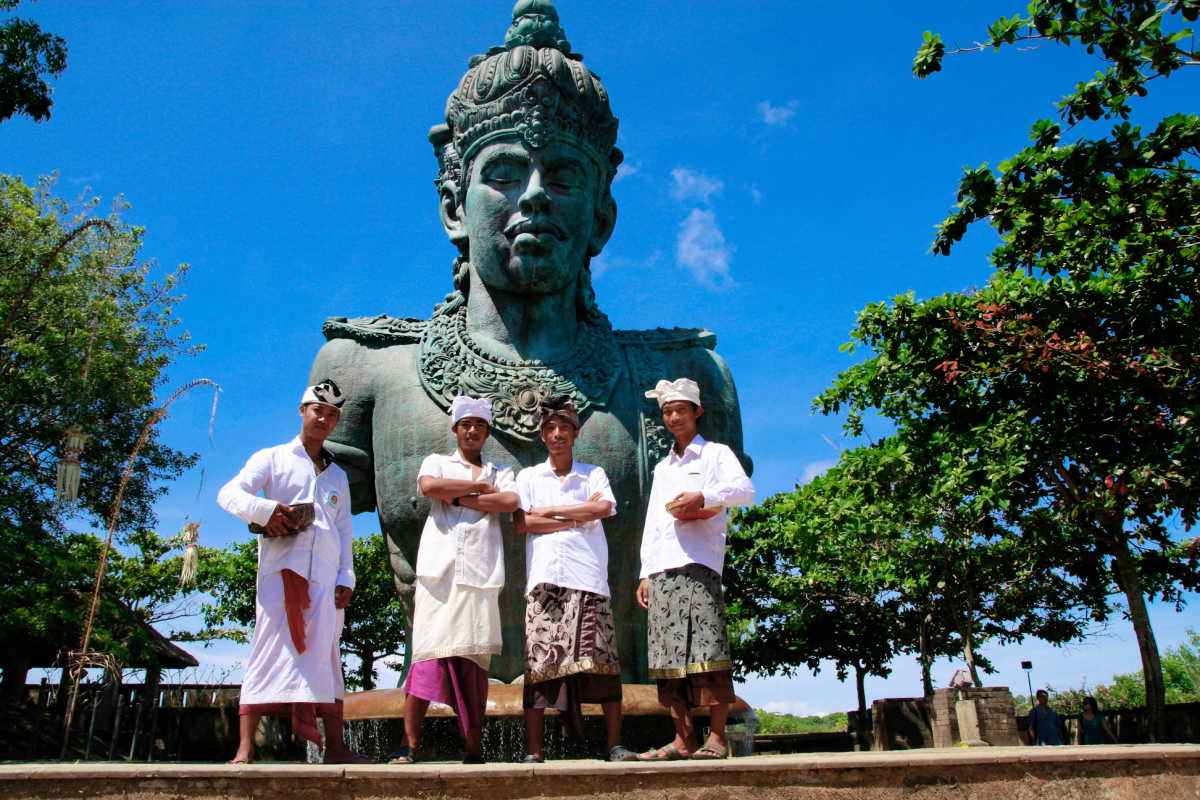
(454,502)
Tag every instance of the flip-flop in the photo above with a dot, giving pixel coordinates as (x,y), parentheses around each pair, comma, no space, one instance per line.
(402,755)
(711,751)
(622,753)
(667,752)
(235,762)
(357,758)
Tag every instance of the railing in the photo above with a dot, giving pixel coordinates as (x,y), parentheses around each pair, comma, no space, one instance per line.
(127,722)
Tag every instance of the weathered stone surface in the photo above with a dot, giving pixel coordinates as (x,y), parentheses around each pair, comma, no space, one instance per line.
(1119,772)
(505,700)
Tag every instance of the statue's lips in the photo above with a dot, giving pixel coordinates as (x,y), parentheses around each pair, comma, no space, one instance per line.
(527,233)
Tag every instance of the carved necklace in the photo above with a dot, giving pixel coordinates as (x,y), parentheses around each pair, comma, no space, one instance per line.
(452,363)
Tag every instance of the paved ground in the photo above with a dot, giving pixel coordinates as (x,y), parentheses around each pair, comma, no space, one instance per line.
(1128,772)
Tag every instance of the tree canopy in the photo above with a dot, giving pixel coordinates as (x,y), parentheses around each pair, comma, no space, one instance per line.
(27,53)
(86,333)
(1069,384)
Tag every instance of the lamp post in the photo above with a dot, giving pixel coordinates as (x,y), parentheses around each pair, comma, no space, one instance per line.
(1028,666)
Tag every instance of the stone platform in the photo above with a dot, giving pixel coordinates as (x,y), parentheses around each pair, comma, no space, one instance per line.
(504,700)
(1124,772)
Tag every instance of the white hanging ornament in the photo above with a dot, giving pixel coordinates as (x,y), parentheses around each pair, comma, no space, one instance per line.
(67,486)
(191,554)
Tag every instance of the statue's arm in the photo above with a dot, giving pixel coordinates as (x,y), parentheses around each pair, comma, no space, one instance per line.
(347,362)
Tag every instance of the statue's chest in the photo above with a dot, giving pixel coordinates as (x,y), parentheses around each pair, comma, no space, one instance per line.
(407,426)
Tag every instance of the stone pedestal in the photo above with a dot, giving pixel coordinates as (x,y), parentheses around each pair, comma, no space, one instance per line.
(992,720)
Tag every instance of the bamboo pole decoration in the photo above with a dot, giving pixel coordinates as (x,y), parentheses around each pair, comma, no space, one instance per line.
(159,414)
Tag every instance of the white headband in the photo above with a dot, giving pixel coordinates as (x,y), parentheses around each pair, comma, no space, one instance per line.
(463,406)
(325,392)
(670,391)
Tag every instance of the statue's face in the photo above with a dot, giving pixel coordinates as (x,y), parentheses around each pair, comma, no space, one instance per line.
(530,216)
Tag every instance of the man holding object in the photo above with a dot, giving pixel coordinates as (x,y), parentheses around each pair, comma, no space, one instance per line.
(305,579)
(683,553)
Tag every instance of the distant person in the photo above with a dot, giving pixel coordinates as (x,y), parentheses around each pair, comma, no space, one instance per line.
(305,579)
(1043,721)
(1093,728)
(570,641)
(459,575)
(683,554)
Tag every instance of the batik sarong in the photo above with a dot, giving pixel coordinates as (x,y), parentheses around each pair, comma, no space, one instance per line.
(570,651)
(687,639)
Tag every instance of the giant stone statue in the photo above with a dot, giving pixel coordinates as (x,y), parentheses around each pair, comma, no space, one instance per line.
(526,161)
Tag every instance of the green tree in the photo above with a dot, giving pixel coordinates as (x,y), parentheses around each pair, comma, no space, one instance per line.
(1069,383)
(881,556)
(374,627)
(810,580)
(85,336)
(27,53)
(1181,678)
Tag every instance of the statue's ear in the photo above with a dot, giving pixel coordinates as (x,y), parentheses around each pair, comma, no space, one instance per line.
(452,215)
(606,220)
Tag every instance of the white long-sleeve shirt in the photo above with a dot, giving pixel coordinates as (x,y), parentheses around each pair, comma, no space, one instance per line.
(463,539)
(322,552)
(575,558)
(707,467)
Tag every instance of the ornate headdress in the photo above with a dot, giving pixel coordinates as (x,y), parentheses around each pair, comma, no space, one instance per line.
(561,406)
(323,391)
(534,87)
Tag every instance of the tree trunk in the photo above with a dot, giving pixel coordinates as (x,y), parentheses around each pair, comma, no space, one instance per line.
(1131,585)
(366,668)
(969,649)
(860,676)
(926,680)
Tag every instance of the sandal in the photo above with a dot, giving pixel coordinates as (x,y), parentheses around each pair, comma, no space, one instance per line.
(402,755)
(667,752)
(622,753)
(711,751)
(357,758)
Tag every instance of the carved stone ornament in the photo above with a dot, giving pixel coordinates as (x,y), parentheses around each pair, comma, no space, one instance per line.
(451,363)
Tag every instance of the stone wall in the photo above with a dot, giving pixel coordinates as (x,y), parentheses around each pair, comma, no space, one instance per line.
(900,724)
(994,719)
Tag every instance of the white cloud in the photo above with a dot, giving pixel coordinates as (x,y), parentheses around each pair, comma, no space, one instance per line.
(815,469)
(701,249)
(602,263)
(625,170)
(755,193)
(794,707)
(777,115)
(693,185)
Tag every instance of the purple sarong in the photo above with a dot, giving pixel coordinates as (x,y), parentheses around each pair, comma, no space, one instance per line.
(456,681)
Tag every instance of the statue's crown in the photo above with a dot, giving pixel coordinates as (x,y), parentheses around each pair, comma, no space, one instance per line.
(533,87)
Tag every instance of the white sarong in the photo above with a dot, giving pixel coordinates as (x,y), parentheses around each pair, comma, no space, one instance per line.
(455,620)
(276,673)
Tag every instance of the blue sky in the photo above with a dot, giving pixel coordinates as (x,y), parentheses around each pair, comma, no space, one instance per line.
(783,169)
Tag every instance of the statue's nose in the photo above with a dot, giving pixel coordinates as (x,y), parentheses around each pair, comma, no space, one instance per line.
(534,198)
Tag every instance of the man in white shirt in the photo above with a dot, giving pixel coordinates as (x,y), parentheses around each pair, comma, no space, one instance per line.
(570,643)
(459,575)
(683,553)
(305,579)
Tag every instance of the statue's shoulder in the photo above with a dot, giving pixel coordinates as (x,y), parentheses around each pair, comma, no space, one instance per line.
(377,331)
(668,338)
